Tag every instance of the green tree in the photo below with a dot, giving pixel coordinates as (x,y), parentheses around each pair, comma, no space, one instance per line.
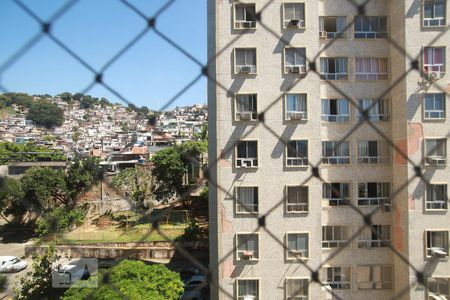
(132,280)
(66,96)
(81,174)
(27,152)
(21,99)
(58,221)
(43,188)
(11,196)
(3,283)
(45,113)
(37,284)
(168,169)
(87,102)
(78,96)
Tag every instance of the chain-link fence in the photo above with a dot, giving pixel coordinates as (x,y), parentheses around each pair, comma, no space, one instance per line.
(424,63)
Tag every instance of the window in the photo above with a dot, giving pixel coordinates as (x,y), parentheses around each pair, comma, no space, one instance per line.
(335,153)
(378,110)
(434,106)
(374,277)
(296,107)
(333,68)
(244,16)
(337,277)
(335,110)
(438,287)
(247,154)
(332,27)
(247,246)
(297,199)
(375,236)
(373,152)
(371,68)
(370,27)
(436,152)
(297,289)
(436,196)
(297,153)
(434,60)
(247,199)
(437,243)
(246,107)
(247,289)
(336,194)
(374,193)
(294,15)
(335,236)
(297,246)
(294,60)
(433,13)
(245,60)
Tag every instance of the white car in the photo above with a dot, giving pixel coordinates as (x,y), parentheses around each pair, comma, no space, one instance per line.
(11,264)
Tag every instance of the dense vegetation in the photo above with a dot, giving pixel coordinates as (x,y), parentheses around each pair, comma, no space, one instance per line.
(47,114)
(131,280)
(27,152)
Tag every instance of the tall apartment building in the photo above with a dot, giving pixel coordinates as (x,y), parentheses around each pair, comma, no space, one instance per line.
(269,122)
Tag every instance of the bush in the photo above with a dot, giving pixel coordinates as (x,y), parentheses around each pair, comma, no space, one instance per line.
(59,221)
(192,232)
(3,283)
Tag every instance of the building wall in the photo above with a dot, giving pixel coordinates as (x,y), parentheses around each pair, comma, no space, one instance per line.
(406,129)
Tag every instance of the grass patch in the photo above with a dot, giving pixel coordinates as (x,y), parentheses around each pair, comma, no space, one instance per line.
(6,111)
(139,233)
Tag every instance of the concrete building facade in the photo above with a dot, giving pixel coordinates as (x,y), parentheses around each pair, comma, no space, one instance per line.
(272,118)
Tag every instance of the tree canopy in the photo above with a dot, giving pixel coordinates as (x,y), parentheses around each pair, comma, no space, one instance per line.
(47,114)
(27,152)
(132,280)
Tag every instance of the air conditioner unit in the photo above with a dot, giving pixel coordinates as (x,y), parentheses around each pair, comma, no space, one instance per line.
(245,116)
(297,116)
(323,34)
(245,69)
(295,69)
(439,252)
(433,76)
(247,255)
(246,163)
(387,207)
(297,253)
(436,160)
(294,23)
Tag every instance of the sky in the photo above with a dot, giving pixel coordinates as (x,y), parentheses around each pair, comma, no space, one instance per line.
(150,73)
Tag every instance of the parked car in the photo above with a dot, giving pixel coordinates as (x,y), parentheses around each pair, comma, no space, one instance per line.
(195,288)
(11,264)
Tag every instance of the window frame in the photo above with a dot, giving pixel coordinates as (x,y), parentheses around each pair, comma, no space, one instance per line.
(332,34)
(238,200)
(337,284)
(374,160)
(237,68)
(287,67)
(337,202)
(301,204)
(340,160)
(238,279)
(429,159)
(428,68)
(442,21)
(372,201)
(288,114)
(253,114)
(303,160)
(371,274)
(339,243)
(336,75)
(377,117)
(302,23)
(237,252)
(442,113)
(369,35)
(293,256)
(380,76)
(365,239)
(339,118)
(443,203)
(236,21)
(254,160)
(296,297)
(437,278)
(428,250)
